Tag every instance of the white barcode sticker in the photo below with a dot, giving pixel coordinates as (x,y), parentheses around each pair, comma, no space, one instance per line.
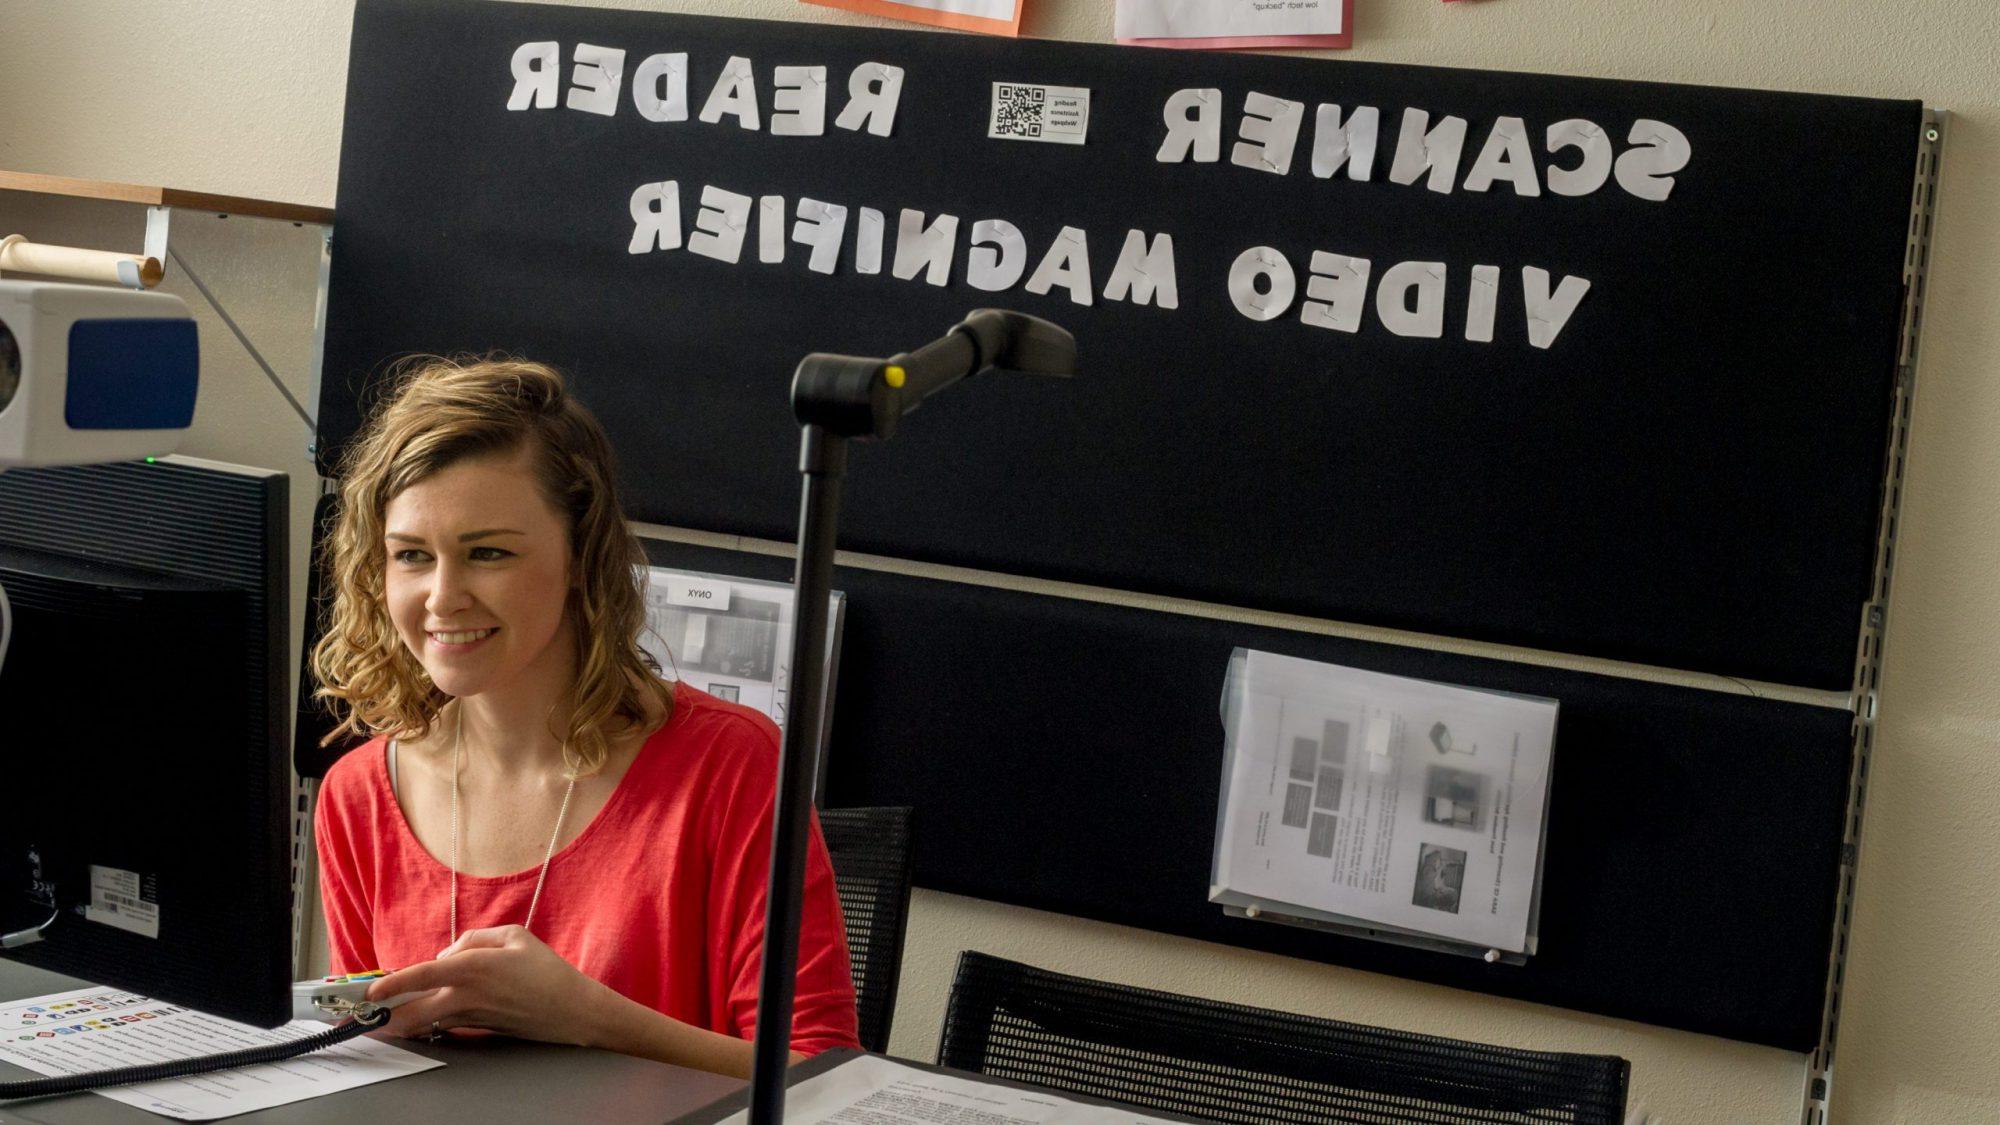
(117,899)
(1059,114)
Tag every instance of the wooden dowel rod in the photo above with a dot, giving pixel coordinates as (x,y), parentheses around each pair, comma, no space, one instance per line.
(82,265)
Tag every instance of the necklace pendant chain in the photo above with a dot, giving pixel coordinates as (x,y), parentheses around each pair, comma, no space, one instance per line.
(457,740)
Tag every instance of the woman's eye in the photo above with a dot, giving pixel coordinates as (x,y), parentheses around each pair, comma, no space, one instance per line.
(410,556)
(489,554)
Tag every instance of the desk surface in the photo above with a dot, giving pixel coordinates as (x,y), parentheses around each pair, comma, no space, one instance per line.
(716,1112)
(495,1081)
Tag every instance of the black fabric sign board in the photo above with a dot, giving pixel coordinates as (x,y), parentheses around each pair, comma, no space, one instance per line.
(1688,474)
(1067,756)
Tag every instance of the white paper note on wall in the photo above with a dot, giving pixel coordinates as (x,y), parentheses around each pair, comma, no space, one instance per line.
(1218,19)
(729,637)
(984,9)
(1004,10)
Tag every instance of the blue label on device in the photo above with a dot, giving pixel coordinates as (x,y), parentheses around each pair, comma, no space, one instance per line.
(132,374)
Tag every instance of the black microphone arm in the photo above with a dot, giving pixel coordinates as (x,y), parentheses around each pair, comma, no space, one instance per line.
(837,398)
(862,398)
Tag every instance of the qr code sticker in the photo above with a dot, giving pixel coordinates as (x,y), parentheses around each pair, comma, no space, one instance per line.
(1050,114)
(1018,110)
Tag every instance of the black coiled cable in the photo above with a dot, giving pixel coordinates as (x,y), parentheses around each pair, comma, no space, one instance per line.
(158,1072)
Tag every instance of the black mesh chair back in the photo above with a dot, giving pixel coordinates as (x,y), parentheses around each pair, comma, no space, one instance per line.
(870,849)
(1227,1062)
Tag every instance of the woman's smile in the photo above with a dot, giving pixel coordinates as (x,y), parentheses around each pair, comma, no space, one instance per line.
(461,640)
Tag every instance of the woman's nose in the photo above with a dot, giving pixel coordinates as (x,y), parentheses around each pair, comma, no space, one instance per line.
(448,592)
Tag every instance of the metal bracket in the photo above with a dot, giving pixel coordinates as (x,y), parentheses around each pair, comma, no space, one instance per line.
(319,332)
(305,870)
(159,225)
(158,219)
(1868,651)
(256,355)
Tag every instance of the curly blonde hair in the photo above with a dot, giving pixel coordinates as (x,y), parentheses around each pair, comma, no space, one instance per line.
(436,413)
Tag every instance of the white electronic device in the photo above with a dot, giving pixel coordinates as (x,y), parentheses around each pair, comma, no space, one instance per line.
(90,374)
(336,998)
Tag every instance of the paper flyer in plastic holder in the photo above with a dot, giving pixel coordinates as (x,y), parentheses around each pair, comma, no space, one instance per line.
(1382,805)
(731,637)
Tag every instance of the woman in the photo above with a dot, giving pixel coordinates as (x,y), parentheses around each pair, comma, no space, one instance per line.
(557,844)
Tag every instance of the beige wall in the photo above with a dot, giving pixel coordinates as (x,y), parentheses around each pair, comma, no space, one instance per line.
(244,97)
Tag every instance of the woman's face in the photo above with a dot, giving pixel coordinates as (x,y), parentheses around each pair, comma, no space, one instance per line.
(478,577)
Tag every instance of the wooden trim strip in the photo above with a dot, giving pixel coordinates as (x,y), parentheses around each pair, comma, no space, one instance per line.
(165,197)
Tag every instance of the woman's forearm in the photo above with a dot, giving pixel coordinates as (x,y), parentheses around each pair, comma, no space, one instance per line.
(631,1028)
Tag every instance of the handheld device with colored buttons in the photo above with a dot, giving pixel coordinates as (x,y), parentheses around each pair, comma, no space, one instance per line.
(336,998)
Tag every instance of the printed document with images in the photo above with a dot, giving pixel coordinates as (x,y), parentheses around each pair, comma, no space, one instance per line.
(730,637)
(871,1090)
(94,1029)
(1381,802)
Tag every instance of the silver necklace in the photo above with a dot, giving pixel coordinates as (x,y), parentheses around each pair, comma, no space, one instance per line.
(457,738)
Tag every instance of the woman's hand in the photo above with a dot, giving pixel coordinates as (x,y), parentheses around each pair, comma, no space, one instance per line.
(502,979)
(506,980)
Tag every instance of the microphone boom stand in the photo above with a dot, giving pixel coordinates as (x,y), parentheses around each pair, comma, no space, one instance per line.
(835,399)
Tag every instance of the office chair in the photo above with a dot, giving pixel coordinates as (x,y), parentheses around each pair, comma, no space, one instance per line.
(870,849)
(1229,1062)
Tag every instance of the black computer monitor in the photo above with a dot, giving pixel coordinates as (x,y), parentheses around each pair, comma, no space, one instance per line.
(143,729)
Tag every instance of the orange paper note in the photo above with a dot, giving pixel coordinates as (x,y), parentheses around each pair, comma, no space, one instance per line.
(994,17)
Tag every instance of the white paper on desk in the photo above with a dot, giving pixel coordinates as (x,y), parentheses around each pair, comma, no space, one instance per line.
(103,1028)
(875,1091)
(1383,800)
(1220,19)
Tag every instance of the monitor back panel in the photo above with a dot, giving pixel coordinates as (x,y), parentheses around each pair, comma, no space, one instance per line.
(154,740)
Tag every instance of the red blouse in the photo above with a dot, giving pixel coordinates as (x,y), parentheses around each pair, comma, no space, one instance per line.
(661,897)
